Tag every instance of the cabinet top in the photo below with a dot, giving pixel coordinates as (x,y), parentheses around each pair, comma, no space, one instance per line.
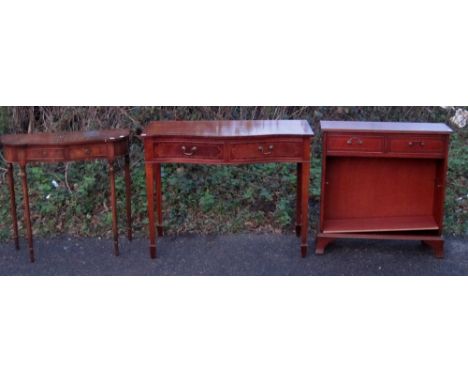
(64,138)
(390,127)
(232,128)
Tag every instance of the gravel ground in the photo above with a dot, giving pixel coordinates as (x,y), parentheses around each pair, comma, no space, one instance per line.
(244,254)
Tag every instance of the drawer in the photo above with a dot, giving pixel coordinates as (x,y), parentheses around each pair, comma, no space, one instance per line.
(188,150)
(87,152)
(356,143)
(264,150)
(46,154)
(417,144)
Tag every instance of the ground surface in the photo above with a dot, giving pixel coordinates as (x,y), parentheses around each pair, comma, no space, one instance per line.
(245,254)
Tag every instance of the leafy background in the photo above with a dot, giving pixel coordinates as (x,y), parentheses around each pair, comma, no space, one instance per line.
(207,199)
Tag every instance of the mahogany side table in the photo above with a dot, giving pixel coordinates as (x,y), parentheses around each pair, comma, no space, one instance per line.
(64,147)
(227,142)
(383,180)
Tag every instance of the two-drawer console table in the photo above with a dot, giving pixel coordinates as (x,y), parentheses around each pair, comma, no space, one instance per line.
(227,142)
(64,147)
(383,180)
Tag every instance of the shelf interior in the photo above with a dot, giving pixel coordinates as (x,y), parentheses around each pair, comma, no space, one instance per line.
(382,224)
(380,195)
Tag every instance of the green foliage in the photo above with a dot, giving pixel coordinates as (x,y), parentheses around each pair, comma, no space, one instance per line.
(3,119)
(196,198)
(456,208)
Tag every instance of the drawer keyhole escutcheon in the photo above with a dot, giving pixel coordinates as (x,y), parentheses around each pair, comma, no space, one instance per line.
(190,152)
(354,139)
(262,150)
(87,151)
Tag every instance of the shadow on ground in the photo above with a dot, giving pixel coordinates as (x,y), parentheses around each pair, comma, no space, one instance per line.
(246,254)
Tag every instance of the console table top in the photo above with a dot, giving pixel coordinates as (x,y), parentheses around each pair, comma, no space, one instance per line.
(64,138)
(224,129)
(390,127)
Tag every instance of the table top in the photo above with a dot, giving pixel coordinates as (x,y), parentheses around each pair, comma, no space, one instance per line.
(389,127)
(64,138)
(225,129)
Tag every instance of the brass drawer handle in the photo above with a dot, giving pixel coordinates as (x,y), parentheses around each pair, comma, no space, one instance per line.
(189,153)
(413,143)
(262,150)
(352,139)
(87,151)
(44,153)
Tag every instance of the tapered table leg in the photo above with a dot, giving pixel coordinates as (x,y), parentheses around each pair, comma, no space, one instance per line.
(128,196)
(115,232)
(305,179)
(157,175)
(298,199)
(150,199)
(11,185)
(27,213)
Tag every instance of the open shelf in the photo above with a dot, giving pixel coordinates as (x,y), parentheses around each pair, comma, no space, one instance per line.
(380,224)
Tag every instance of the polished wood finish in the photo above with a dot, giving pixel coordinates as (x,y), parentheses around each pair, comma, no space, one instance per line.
(157,176)
(24,149)
(385,127)
(382,179)
(11,186)
(227,142)
(128,197)
(229,129)
(27,213)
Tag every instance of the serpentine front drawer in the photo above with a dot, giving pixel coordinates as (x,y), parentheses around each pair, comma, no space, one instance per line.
(188,150)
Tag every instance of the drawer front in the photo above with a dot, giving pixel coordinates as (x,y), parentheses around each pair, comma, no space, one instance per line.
(265,150)
(46,154)
(188,150)
(415,144)
(356,143)
(87,152)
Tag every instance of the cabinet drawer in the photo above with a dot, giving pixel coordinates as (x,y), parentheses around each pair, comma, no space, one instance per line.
(86,152)
(356,143)
(188,150)
(264,150)
(46,154)
(415,144)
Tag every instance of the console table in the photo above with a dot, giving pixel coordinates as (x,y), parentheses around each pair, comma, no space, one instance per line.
(383,180)
(64,147)
(227,142)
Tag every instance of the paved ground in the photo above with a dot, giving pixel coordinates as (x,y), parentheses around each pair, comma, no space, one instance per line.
(246,254)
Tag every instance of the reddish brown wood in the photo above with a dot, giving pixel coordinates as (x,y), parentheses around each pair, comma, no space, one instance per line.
(226,142)
(65,138)
(27,213)
(298,199)
(113,201)
(385,127)
(63,147)
(150,199)
(229,129)
(382,179)
(417,144)
(380,224)
(437,246)
(128,196)
(11,186)
(321,243)
(305,177)
(157,176)
(358,142)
